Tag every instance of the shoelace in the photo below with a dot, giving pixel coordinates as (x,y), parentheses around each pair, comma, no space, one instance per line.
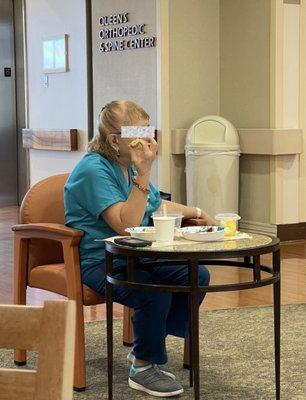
(154,375)
(161,367)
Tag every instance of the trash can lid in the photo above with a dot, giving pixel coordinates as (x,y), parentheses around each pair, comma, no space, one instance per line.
(212,130)
(211,148)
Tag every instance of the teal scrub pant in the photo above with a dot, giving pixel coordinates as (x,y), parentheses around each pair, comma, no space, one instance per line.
(156,314)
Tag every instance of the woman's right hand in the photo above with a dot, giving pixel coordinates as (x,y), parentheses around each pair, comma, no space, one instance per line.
(143,155)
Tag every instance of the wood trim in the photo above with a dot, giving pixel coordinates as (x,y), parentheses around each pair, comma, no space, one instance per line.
(271,141)
(258,227)
(292,231)
(56,140)
(253,141)
(292,1)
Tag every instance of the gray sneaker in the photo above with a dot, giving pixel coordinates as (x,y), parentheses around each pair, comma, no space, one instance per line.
(151,380)
(162,367)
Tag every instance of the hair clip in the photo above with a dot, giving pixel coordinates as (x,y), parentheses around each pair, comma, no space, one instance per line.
(107,105)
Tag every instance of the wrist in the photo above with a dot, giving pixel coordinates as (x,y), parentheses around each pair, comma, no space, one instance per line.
(140,185)
(143,179)
(143,173)
(199,212)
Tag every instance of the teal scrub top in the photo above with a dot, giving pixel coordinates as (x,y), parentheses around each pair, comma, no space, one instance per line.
(94,185)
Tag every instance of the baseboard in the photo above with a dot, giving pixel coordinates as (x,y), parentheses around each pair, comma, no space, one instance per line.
(284,232)
(292,231)
(258,227)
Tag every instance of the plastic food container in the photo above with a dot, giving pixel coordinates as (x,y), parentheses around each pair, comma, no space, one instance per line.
(229,221)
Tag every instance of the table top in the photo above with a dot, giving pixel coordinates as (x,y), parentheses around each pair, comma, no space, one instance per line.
(183,246)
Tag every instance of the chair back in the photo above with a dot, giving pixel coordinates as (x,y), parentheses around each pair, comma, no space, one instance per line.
(51,331)
(44,202)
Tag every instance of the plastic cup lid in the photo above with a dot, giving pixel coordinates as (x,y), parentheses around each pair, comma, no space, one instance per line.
(226,216)
(164,217)
(170,214)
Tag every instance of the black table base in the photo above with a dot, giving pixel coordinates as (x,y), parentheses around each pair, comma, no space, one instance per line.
(193,290)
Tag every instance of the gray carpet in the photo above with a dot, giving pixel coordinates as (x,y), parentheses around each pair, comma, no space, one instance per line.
(237,358)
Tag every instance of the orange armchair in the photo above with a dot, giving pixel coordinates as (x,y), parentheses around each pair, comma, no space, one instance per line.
(46,256)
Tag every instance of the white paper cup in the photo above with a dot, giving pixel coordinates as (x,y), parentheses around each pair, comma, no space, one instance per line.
(164,228)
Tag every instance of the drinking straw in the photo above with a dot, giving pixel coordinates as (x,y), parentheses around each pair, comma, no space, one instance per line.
(164,210)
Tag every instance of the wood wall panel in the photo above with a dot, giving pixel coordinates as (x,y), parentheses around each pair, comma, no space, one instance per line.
(58,140)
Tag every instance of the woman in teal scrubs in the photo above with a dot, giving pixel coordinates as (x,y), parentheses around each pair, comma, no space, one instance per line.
(108,191)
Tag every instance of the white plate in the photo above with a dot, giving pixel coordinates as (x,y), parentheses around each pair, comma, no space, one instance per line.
(146,232)
(142,232)
(200,234)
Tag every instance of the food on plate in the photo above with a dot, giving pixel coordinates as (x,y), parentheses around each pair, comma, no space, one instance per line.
(229,221)
(136,143)
(203,233)
(231,226)
(146,229)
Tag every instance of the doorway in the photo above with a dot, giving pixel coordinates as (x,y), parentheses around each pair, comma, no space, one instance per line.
(13,158)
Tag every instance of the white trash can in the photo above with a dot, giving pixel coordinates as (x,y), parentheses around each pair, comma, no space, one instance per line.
(212,165)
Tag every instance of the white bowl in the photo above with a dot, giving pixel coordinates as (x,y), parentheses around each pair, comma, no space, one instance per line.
(142,232)
(200,234)
(146,232)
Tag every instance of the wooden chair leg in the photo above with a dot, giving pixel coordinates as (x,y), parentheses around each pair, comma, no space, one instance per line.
(186,361)
(20,285)
(74,292)
(79,383)
(127,326)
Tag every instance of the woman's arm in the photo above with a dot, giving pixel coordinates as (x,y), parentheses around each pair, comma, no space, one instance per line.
(131,212)
(188,212)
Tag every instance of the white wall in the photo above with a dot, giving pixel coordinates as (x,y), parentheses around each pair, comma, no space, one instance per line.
(245,62)
(194,51)
(63,104)
(194,79)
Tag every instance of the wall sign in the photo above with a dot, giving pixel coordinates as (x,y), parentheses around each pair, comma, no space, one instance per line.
(128,37)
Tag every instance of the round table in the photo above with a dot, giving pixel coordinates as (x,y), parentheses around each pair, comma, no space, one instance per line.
(192,253)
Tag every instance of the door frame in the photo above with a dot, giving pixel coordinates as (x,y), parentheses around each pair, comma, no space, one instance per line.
(19,26)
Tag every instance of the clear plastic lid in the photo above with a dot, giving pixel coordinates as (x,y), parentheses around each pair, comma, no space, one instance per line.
(227,216)
(168,214)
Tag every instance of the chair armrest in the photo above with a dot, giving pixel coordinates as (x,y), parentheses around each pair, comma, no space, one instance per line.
(47,230)
(193,222)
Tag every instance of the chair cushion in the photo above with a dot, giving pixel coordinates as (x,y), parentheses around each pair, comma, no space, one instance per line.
(52,277)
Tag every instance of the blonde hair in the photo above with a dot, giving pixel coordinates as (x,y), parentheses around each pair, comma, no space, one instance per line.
(111,117)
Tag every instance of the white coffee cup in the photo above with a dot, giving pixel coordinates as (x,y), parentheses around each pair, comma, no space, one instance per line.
(164,228)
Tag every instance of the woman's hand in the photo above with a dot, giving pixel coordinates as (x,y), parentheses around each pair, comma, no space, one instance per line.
(208,219)
(143,155)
